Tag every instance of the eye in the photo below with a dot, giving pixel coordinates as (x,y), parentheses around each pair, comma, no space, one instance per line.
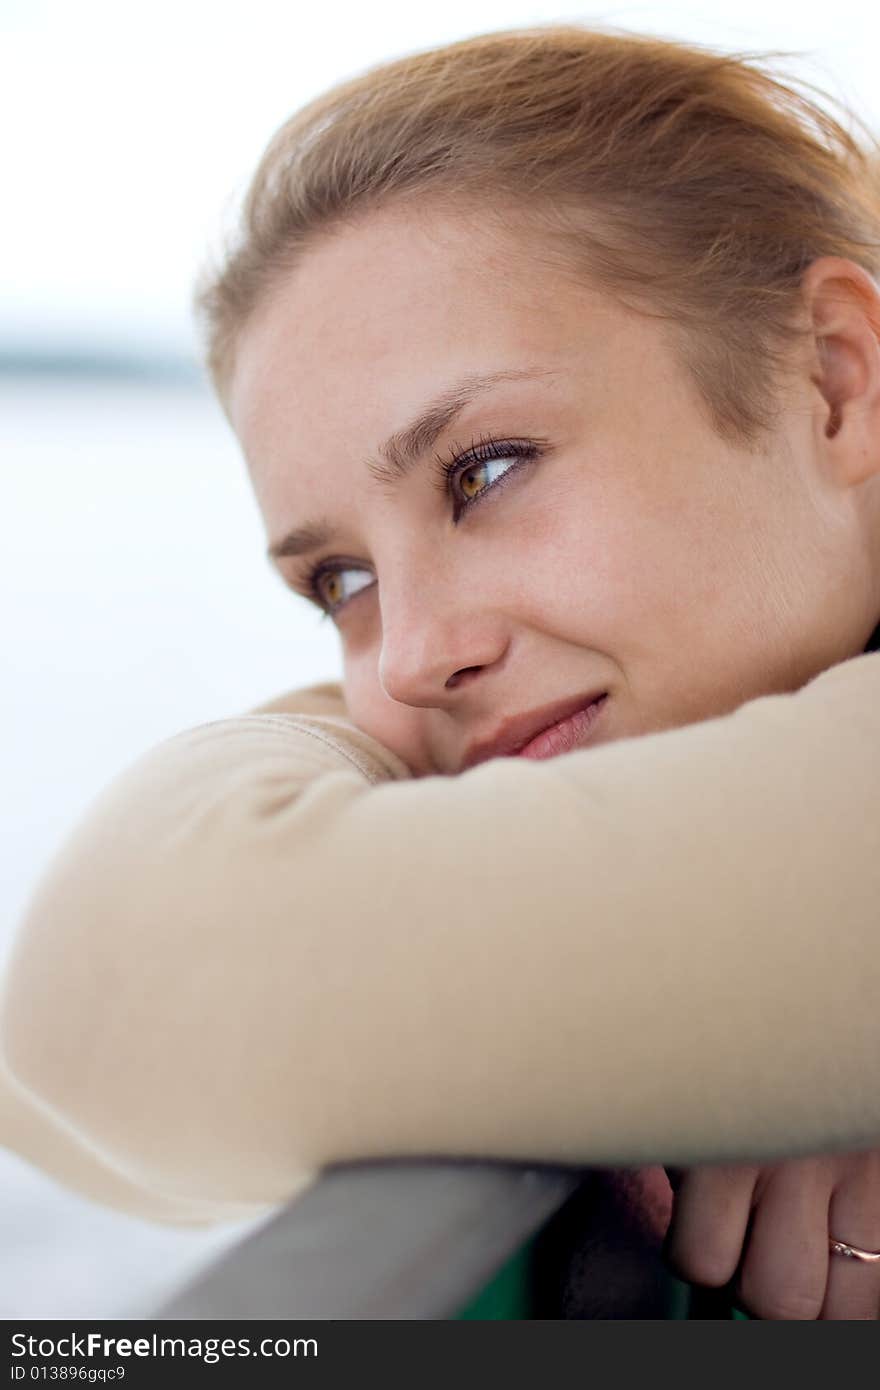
(465,478)
(468,475)
(333,585)
(478,476)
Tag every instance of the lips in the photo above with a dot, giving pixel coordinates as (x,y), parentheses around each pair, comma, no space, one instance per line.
(565,735)
(540,732)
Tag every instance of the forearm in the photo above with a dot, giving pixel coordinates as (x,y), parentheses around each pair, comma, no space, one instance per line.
(251,960)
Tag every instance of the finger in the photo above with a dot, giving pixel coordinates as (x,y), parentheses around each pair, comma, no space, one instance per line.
(676,1177)
(853,1287)
(785,1265)
(710,1214)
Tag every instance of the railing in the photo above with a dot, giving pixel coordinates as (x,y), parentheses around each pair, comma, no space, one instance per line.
(427,1240)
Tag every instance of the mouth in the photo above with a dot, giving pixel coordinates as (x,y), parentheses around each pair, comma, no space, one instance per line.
(541,733)
(565,735)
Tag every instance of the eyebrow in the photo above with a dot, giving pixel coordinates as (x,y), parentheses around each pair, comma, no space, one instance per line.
(403,450)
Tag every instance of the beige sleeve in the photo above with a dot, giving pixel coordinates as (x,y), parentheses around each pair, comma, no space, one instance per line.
(266,947)
(44,1139)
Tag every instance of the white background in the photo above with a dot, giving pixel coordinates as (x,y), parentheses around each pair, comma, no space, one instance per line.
(135,596)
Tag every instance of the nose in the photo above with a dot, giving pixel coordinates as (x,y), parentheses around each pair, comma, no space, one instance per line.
(436,637)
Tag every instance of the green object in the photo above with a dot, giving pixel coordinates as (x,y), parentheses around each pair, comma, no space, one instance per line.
(508,1295)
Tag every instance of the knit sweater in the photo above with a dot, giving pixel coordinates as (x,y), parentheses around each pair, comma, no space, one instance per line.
(266,947)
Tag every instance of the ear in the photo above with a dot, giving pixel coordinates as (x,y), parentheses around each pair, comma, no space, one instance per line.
(842,304)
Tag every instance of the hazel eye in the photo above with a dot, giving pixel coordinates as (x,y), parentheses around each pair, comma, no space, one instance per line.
(333,587)
(478,476)
(465,479)
(470,475)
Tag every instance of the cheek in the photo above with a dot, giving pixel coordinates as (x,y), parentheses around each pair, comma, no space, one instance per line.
(583,565)
(360,696)
(395,726)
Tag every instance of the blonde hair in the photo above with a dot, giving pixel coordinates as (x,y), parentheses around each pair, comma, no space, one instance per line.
(693,185)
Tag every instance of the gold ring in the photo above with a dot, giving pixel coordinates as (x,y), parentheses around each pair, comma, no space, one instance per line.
(852,1252)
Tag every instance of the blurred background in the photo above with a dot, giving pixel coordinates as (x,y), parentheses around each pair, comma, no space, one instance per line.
(136,599)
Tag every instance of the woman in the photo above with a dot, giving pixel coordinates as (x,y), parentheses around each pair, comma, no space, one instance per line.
(554,359)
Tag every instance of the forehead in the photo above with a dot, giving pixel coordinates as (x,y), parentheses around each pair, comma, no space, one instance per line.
(376,317)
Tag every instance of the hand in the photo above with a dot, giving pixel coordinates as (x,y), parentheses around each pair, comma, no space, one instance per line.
(766,1230)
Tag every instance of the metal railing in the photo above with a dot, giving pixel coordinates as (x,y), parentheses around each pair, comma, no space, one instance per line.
(407,1239)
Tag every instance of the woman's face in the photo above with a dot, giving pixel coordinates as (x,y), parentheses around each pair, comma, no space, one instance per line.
(602,538)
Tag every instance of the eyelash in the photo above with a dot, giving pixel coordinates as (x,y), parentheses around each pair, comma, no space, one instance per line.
(444,473)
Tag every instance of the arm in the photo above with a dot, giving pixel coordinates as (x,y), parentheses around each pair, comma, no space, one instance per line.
(267,948)
(65,1156)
